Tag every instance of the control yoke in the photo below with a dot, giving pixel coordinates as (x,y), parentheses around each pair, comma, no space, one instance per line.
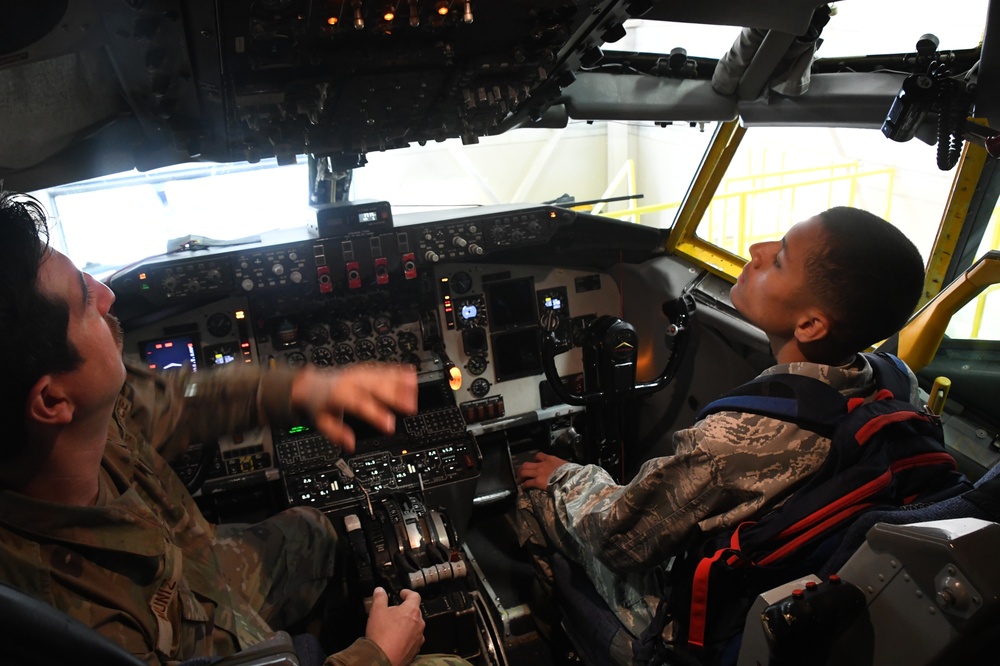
(610,348)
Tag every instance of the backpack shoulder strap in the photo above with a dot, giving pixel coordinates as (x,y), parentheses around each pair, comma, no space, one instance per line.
(890,373)
(805,401)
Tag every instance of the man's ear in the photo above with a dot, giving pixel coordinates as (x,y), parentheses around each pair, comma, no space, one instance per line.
(48,403)
(812,326)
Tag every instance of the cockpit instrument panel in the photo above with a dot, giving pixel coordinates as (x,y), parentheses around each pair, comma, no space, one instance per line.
(423,292)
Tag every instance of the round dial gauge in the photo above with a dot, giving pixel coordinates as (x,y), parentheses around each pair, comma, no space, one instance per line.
(411,359)
(296,360)
(362,328)
(322,357)
(386,346)
(477,365)
(407,341)
(344,353)
(365,350)
(461,283)
(317,334)
(219,324)
(339,330)
(479,388)
(382,324)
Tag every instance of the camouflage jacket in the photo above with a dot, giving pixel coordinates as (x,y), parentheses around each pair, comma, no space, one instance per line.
(726,468)
(139,566)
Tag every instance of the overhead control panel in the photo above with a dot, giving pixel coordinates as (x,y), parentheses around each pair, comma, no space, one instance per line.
(346,77)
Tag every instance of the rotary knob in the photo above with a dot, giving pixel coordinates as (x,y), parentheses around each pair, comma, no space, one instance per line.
(458,241)
(247,284)
(295,277)
(278,270)
(432,256)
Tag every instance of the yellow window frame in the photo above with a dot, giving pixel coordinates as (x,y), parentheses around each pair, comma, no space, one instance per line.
(682,238)
(921,336)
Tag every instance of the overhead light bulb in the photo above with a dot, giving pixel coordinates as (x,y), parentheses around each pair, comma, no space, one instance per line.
(442,8)
(359,20)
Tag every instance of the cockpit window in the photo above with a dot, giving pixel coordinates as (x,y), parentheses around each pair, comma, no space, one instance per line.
(853,30)
(895,27)
(110,222)
(780,176)
(980,318)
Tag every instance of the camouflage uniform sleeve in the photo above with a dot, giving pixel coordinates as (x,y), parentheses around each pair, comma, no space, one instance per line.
(361,652)
(632,526)
(726,468)
(174,409)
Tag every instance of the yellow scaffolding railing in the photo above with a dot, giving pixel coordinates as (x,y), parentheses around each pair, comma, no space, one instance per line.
(741,196)
(758,180)
(746,233)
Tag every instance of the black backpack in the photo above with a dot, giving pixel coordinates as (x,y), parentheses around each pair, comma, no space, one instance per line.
(884,452)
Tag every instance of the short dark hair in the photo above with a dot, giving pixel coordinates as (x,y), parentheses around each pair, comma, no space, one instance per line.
(867,276)
(33,327)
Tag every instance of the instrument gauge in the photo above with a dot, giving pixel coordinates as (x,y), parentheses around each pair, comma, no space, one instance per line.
(407,341)
(296,360)
(339,330)
(365,350)
(461,283)
(477,365)
(386,346)
(317,334)
(219,324)
(471,312)
(362,328)
(222,353)
(322,357)
(479,388)
(382,324)
(343,354)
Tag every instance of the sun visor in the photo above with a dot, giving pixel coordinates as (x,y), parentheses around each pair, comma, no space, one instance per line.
(843,99)
(597,96)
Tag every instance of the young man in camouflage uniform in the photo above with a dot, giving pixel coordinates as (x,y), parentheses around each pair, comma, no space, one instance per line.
(834,285)
(93,520)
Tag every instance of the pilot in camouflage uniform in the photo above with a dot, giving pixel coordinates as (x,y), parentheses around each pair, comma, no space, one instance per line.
(726,468)
(143,566)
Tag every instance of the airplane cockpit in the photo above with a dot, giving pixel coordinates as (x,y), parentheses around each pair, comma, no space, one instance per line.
(541,207)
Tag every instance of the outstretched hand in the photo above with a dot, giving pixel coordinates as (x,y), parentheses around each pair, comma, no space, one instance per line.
(371,392)
(398,630)
(536,474)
